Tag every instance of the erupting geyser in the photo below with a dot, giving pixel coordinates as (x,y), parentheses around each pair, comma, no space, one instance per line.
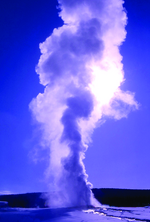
(81,70)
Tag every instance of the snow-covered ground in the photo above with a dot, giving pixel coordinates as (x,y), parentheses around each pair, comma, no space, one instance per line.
(103,213)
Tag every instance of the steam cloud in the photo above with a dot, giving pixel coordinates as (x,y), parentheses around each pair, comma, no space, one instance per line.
(81,70)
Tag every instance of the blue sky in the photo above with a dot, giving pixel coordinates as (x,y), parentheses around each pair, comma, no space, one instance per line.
(119,154)
(123,145)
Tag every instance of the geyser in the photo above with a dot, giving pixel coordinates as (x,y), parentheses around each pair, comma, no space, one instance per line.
(81,70)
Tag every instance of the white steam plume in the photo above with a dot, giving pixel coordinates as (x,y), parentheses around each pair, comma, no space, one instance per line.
(81,70)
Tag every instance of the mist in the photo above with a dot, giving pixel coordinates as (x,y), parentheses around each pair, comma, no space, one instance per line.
(82,71)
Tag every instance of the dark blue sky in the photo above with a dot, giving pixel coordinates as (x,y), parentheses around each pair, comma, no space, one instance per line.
(119,155)
(23,24)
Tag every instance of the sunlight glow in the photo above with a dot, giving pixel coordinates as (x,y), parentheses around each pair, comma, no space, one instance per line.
(106,81)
